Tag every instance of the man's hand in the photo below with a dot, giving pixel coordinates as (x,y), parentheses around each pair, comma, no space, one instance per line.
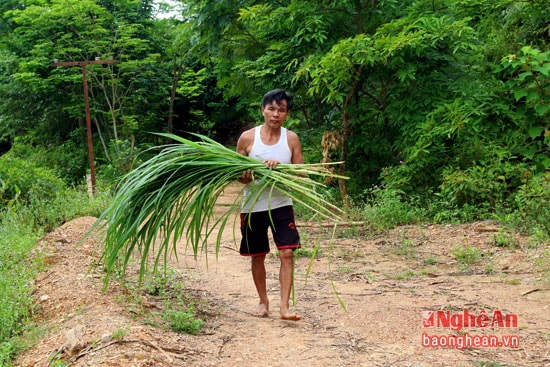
(246,177)
(270,163)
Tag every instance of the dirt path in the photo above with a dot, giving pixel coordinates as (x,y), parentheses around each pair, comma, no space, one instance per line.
(388,284)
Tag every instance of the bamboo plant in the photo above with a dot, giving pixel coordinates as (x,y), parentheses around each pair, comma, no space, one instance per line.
(173,195)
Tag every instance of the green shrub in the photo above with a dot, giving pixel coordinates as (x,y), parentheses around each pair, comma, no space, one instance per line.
(504,239)
(532,201)
(67,160)
(441,211)
(16,274)
(183,321)
(24,181)
(386,208)
(483,191)
(65,205)
(466,255)
(482,185)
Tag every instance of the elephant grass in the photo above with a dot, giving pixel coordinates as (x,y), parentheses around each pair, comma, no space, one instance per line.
(174,194)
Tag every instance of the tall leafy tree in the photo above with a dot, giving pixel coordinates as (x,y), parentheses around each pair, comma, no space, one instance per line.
(447,96)
(261,46)
(407,86)
(68,30)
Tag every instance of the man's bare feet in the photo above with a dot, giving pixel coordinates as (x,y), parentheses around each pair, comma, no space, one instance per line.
(290,316)
(261,311)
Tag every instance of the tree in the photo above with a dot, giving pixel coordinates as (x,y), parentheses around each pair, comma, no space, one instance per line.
(401,85)
(87,31)
(261,46)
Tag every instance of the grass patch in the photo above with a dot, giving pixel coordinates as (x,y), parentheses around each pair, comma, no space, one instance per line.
(183,321)
(21,226)
(306,252)
(344,269)
(350,254)
(466,255)
(513,281)
(17,271)
(490,364)
(504,239)
(431,260)
(120,333)
(181,311)
(404,275)
(386,208)
(406,250)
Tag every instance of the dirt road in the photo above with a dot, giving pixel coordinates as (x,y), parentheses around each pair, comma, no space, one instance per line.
(389,284)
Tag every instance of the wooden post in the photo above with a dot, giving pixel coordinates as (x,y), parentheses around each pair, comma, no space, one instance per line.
(83,65)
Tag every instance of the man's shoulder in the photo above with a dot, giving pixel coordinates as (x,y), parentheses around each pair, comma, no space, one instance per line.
(247,134)
(292,135)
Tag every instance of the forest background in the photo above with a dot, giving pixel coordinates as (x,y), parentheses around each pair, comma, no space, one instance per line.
(439,109)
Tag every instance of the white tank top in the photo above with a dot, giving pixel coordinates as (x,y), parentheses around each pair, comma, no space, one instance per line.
(269,199)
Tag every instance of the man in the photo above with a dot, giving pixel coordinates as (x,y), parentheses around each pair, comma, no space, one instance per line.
(272,144)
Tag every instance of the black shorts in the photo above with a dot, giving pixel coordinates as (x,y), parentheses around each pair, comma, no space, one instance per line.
(254,227)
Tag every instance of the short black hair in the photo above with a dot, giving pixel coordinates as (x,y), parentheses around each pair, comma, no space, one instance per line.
(278,95)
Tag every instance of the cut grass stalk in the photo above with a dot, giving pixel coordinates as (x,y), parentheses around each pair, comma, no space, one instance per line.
(173,195)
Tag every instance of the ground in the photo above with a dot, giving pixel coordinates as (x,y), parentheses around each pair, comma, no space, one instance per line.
(363,302)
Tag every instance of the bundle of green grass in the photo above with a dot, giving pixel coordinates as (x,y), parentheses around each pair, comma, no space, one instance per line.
(173,195)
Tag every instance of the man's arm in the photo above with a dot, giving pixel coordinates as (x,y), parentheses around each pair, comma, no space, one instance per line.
(295,147)
(243,147)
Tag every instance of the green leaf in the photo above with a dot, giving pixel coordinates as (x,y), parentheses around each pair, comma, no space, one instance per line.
(524,75)
(535,131)
(543,69)
(520,93)
(542,109)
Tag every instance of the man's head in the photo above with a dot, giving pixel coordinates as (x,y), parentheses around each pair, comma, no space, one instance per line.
(277,96)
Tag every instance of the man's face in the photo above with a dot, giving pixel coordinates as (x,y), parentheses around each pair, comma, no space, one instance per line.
(275,114)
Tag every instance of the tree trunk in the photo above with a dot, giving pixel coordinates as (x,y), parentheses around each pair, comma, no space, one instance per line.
(343,155)
(345,134)
(178,72)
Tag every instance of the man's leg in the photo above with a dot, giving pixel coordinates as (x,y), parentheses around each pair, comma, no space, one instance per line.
(259,276)
(285,278)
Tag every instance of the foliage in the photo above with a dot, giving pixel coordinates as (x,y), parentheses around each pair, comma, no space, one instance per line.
(62,207)
(445,102)
(67,160)
(40,197)
(533,206)
(504,239)
(482,185)
(24,181)
(120,95)
(388,208)
(120,333)
(21,226)
(16,273)
(357,79)
(183,321)
(466,255)
(529,82)
(55,360)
